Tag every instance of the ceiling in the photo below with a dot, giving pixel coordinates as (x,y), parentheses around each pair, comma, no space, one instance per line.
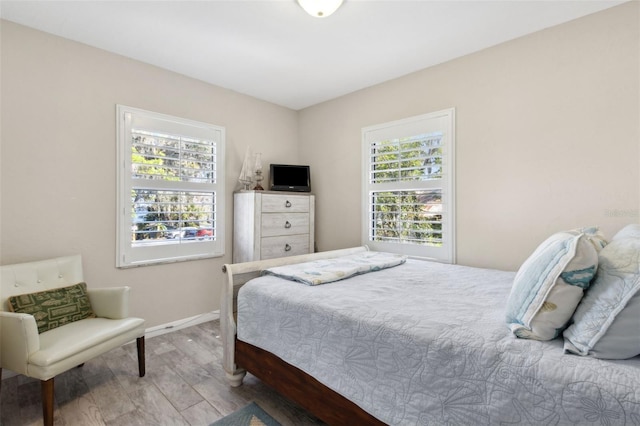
(273,50)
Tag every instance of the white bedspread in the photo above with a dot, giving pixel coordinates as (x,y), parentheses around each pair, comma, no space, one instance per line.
(426,343)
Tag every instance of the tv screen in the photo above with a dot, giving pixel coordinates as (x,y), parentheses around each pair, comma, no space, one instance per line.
(289,177)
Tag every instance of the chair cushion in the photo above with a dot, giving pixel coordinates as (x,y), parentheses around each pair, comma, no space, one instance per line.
(83,336)
(56,307)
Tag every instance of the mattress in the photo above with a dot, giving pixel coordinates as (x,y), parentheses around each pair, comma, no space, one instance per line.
(427,343)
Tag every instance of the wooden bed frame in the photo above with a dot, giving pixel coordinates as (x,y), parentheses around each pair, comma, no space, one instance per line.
(240,357)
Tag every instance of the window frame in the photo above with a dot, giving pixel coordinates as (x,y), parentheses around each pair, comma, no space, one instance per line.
(130,255)
(439,121)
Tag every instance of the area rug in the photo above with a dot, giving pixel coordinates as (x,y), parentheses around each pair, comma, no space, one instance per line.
(251,415)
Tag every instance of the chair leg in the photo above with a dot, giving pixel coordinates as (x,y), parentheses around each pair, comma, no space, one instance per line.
(47,401)
(141,363)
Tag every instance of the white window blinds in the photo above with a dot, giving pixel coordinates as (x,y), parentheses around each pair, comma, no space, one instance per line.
(171,188)
(408,186)
(163,156)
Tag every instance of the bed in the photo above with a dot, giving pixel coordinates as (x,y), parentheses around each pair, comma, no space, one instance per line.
(417,343)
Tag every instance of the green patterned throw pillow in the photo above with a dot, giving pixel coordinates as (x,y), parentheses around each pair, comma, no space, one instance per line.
(56,307)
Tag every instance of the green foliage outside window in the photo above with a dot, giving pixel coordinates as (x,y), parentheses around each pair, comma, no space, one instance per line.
(407,215)
(162,214)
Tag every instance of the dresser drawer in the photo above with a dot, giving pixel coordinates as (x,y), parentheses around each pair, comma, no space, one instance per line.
(285,203)
(270,224)
(274,224)
(272,247)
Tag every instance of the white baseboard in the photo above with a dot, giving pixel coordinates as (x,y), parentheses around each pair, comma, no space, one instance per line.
(158,330)
(7,373)
(180,324)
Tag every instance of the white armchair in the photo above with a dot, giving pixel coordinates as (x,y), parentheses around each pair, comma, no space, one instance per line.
(43,356)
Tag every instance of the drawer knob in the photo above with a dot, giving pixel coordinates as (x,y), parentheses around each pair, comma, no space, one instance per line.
(287,247)
(287,204)
(287,225)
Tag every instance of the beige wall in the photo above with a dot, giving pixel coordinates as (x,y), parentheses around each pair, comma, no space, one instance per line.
(547,138)
(58,156)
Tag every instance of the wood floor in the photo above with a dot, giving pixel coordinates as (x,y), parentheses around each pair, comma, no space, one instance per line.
(184,385)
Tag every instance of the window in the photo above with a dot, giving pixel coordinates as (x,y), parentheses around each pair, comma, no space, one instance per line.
(170,188)
(408,184)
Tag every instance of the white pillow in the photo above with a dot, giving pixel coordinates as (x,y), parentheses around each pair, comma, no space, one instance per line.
(622,339)
(551,283)
(607,321)
(629,231)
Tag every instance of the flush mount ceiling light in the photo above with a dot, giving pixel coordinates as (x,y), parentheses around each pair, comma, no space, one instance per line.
(320,8)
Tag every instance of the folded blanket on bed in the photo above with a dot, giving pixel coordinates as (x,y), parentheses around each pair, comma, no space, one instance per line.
(328,270)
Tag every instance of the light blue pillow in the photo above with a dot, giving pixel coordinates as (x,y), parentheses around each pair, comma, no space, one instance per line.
(551,282)
(607,321)
(622,339)
(629,231)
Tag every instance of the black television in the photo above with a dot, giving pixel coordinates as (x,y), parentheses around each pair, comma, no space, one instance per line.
(289,177)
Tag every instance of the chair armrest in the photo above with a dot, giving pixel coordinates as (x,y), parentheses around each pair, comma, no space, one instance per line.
(110,302)
(19,339)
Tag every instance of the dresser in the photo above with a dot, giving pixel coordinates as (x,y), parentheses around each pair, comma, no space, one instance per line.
(269,224)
